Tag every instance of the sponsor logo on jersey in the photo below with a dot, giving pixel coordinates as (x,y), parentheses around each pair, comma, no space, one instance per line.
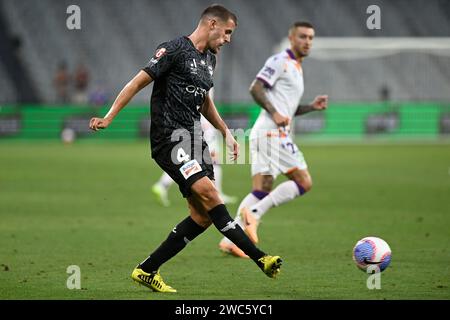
(160,53)
(193,66)
(154,60)
(196,91)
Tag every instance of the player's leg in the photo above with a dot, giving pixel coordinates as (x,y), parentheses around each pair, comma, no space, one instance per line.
(147,272)
(262,185)
(290,161)
(187,230)
(206,194)
(262,181)
(197,212)
(160,189)
(302,179)
(195,182)
(300,182)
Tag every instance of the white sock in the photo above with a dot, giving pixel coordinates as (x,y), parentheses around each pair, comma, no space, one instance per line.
(165,181)
(283,193)
(218,177)
(248,202)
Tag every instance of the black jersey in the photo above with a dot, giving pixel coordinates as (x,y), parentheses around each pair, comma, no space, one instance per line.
(183,77)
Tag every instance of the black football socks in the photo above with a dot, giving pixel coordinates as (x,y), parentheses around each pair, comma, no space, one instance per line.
(230,229)
(186,231)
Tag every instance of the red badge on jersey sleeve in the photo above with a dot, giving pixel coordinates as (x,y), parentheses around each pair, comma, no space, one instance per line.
(160,53)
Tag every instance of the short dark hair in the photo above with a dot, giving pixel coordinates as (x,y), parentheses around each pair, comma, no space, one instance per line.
(218,11)
(300,24)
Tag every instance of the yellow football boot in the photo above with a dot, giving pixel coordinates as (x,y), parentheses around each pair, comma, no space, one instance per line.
(152,280)
(270,265)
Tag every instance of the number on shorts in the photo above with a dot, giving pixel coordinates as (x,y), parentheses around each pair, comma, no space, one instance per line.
(292,147)
(182,156)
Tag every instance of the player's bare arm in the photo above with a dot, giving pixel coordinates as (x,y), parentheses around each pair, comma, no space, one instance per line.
(140,81)
(319,103)
(258,93)
(209,111)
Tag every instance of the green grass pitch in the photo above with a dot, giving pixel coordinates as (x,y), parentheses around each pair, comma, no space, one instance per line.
(89,204)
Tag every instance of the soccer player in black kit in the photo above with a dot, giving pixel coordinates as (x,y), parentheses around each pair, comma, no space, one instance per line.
(183,73)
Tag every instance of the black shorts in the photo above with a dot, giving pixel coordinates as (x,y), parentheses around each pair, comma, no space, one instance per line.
(185,163)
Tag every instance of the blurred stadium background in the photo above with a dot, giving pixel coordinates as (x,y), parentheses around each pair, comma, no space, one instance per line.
(391,81)
(386,85)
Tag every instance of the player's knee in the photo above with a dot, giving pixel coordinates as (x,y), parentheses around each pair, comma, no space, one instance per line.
(267,184)
(267,187)
(305,185)
(208,194)
(308,186)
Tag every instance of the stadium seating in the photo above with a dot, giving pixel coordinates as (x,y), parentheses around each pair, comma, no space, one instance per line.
(118,37)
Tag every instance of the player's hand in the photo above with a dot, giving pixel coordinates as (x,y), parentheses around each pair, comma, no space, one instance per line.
(233,146)
(320,102)
(280,120)
(99,123)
